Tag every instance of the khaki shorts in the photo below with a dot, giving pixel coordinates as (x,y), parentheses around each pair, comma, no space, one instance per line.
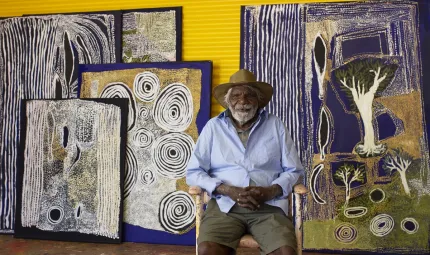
(269,226)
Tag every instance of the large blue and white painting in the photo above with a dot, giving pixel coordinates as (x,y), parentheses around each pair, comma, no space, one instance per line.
(348,81)
(39,58)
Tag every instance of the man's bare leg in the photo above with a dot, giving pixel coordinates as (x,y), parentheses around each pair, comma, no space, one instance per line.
(211,248)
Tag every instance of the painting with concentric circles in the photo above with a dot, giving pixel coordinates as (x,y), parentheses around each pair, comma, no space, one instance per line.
(169,103)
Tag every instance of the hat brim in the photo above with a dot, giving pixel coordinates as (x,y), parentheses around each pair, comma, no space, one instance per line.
(265,88)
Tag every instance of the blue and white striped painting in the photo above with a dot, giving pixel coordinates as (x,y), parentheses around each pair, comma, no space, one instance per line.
(39,58)
(271,49)
(349,82)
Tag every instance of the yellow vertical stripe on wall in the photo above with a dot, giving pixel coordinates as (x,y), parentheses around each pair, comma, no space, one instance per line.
(211,28)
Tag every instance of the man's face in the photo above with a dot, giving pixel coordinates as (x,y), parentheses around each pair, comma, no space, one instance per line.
(243,104)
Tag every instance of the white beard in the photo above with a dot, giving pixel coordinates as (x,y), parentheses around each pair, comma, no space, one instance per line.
(243,116)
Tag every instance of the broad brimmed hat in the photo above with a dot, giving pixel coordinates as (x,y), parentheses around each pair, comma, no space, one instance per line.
(243,77)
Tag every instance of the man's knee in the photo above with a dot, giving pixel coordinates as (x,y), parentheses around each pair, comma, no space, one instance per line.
(211,248)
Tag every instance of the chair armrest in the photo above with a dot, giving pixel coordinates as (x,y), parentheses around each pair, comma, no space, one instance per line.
(300,189)
(195,190)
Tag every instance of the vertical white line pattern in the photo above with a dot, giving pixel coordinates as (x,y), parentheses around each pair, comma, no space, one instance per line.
(33,162)
(108,171)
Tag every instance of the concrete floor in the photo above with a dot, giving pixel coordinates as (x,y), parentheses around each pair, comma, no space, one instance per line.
(14,246)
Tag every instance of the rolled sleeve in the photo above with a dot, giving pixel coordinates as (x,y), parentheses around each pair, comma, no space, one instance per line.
(291,165)
(210,185)
(199,164)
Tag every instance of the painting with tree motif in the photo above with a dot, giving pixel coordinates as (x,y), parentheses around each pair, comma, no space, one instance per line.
(350,82)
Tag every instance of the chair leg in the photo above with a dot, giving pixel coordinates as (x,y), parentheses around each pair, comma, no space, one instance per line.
(199,214)
(298,221)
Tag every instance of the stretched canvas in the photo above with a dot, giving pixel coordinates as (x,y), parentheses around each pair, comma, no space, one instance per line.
(169,105)
(70,170)
(348,84)
(152,35)
(39,58)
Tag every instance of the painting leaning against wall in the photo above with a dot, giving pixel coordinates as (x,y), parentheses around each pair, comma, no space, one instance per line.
(71,169)
(169,105)
(354,105)
(39,58)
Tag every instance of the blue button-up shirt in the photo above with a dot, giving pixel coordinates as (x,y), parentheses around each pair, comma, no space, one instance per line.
(269,158)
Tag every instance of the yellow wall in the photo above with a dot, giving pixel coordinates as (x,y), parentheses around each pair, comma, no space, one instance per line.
(211,28)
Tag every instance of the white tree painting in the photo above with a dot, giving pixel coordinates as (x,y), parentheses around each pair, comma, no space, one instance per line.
(361,80)
(399,160)
(348,174)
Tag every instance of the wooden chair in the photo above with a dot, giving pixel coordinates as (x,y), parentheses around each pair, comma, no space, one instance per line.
(247,241)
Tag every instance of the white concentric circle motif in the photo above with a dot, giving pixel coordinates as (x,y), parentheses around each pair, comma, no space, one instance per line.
(147,177)
(144,112)
(121,90)
(345,233)
(60,211)
(171,153)
(177,212)
(143,138)
(131,170)
(381,225)
(409,225)
(173,108)
(146,86)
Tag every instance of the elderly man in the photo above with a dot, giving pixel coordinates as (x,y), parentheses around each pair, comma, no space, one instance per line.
(246,161)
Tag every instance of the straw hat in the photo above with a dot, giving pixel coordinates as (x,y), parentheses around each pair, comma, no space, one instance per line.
(243,77)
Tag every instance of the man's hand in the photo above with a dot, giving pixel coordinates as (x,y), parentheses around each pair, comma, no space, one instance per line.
(235,193)
(262,194)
